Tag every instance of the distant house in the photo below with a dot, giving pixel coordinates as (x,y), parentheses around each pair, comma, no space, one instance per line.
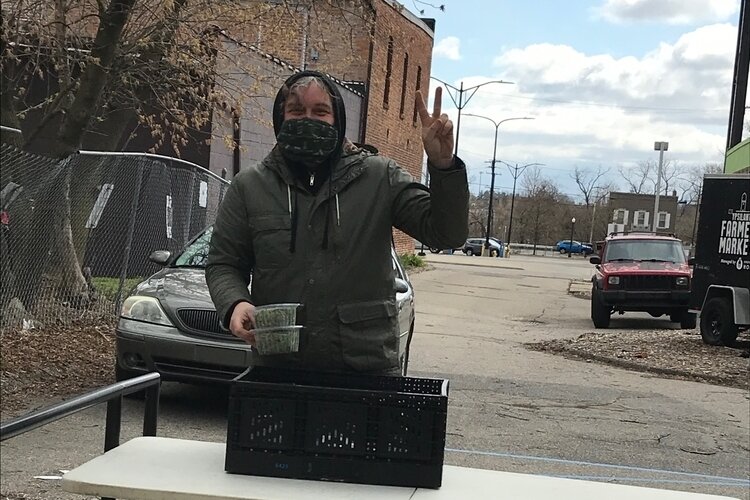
(634,212)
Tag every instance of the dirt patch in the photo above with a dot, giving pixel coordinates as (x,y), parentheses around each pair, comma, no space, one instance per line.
(669,353)
(52,363)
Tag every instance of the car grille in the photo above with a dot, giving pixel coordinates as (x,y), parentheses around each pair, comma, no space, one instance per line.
(646,282)
(204,322)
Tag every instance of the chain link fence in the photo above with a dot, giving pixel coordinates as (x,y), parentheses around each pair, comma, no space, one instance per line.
(76,233)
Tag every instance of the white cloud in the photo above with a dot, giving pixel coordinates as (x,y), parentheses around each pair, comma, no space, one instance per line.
(669,11)
(449,48)
(595,109)
(694,73)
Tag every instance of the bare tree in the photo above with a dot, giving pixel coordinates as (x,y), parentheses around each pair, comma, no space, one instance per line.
(642,178)
(637,178)
(107,64)
(589,182)
(694,180)
(541,201)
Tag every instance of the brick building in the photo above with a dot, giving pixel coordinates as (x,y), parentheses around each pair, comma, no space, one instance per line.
(376,48)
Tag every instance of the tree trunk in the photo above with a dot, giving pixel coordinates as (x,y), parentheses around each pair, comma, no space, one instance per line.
(64,270)
(54,210)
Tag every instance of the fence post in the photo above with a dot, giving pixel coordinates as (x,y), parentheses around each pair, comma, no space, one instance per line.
(129,241)
(187,234)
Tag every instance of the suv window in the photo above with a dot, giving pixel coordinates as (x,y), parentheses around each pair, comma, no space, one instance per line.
(644,250)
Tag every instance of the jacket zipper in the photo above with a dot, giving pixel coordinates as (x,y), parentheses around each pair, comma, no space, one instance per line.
(312,180)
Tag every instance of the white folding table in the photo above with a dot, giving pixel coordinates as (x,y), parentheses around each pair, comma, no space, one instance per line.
(155,468)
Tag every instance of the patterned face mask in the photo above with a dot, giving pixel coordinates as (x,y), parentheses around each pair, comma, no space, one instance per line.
(307,141)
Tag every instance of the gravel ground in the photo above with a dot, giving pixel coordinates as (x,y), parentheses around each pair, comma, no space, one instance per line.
(669,353)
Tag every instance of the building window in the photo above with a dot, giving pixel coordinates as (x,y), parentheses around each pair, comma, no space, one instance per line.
(641,218)
(388,71)
(419,87)
(663,220)
(621,216)
(403,85)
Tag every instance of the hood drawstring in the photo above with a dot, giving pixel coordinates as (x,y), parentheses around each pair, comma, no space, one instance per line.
(338,211)
(328,217)
(293,218)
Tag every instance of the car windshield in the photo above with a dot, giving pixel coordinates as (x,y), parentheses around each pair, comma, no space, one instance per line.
(196,253)
(645,250)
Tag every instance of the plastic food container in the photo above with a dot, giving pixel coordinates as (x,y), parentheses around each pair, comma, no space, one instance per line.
(277,340)
(276,315)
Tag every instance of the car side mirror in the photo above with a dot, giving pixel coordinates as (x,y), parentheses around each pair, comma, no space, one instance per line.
(160,257)
(691,261)
(401,286)
(595,260)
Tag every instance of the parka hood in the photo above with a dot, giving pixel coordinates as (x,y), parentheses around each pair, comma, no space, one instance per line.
(339,111)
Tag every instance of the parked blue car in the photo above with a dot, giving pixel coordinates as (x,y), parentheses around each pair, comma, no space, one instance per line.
(568,246)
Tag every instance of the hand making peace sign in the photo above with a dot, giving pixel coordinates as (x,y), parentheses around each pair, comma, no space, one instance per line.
(437,132)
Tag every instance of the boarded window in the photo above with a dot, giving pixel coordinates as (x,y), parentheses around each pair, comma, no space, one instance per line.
(388,72)
(419,87)
(403,86)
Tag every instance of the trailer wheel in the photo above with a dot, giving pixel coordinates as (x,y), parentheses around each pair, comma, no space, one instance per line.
(600,312)
(717,322)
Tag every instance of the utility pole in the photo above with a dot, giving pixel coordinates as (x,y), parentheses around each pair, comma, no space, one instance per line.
(491,207)
(659,146)
(492,183)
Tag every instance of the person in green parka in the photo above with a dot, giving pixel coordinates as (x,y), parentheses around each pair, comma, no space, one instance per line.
(312,223)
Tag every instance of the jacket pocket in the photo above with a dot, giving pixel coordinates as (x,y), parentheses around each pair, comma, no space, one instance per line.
(369,334)
(271,238)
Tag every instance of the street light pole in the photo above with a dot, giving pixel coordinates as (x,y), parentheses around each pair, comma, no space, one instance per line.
(492,181)
(660,147)
(572,229)
(461,104)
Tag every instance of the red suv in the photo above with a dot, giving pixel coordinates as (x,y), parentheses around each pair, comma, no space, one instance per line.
(641,272)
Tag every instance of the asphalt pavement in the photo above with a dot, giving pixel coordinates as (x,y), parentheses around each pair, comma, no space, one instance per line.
(510,408)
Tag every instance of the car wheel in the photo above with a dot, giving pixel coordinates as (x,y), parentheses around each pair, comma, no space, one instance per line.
(125,374)
(434,250)
(469,252)
(493,252)
(600,312)
(563,251)
(717,322)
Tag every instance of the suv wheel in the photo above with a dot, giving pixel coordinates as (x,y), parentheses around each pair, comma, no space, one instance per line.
(600,312)
(685,318)
(469,252)
(717,323)
(688,321)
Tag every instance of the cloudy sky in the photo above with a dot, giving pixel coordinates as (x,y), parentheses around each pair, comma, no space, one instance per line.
(603,79)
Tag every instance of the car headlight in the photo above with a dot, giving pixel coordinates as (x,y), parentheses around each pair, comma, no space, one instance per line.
(682,281)
(613,280)
(142,308)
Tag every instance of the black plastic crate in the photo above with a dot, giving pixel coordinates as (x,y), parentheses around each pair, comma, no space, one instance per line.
(337,427)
